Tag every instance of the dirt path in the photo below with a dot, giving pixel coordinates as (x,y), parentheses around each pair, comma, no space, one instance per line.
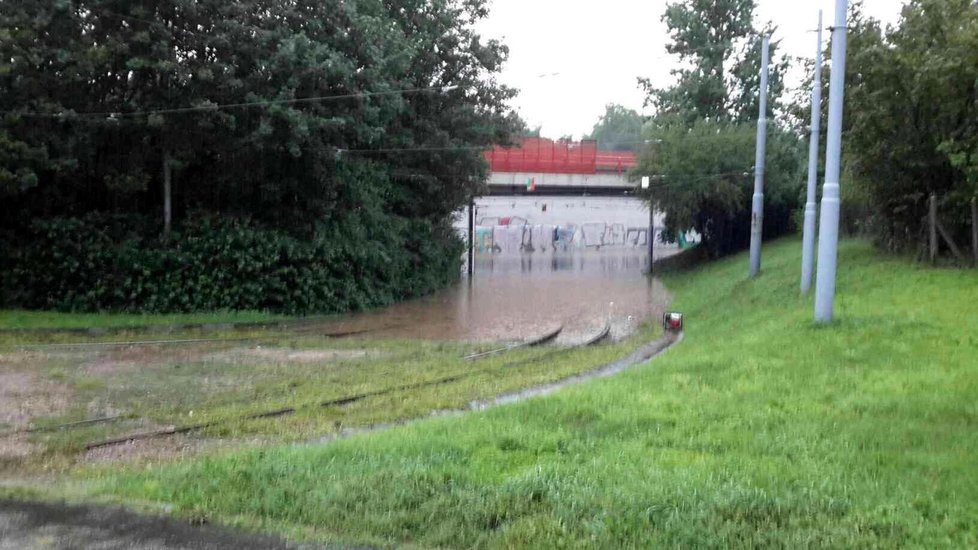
(26,526)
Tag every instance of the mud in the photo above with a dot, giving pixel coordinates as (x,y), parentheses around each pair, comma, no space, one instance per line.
(25,525)
(645,353)
(175,447)
(508,299)
(24,396)
(641,355)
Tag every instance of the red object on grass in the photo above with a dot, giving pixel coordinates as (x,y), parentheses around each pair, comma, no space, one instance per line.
(672,321)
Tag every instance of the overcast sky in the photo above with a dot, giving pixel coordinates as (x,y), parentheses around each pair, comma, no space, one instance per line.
(598,49)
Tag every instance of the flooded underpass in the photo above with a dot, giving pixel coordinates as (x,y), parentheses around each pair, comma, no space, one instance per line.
(517,297)
(540,263)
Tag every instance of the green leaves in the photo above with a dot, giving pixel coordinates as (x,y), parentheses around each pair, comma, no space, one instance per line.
(251,99)
(116,263)
(344,62)
(619,129)
(911,116)
(703,174)
(719,41)
(702,139)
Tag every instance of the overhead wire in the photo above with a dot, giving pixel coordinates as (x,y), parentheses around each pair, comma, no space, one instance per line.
(244,104)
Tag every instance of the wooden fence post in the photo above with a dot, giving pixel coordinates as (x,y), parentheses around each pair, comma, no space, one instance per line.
(932,226)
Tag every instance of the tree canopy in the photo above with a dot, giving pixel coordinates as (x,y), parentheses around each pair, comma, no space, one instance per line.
(302,117)
(719,46)
(911,125)
(700,151)
(258,102)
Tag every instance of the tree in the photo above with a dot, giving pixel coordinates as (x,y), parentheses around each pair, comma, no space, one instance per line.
(701,139)
(702,178)
(618,129)
(299,116)
(720,45)
(275,160)
(531,132)
(911,116)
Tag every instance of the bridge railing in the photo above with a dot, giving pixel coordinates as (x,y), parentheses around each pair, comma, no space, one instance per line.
(541,155)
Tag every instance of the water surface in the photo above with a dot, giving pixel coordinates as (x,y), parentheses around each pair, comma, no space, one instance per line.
(515,297)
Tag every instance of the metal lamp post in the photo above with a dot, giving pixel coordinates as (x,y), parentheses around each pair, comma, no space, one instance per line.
(757,204)
(828,237)
(808,239)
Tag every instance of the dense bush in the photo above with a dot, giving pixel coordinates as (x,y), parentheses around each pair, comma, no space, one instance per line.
(701,140)
(293,156)
(703,179)
(910,126)
(104,262)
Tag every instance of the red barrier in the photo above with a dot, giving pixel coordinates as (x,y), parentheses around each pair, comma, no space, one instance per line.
(541,155)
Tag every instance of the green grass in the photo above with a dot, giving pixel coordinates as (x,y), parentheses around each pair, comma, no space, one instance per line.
(761,429)
(25,319)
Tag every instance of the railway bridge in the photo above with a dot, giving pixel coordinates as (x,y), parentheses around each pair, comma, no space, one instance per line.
(542,166)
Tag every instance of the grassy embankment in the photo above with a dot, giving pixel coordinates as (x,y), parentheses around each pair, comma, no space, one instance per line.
(24,319)
(761,429)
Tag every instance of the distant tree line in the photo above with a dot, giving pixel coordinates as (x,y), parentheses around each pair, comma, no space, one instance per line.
(296,156)
(618,129)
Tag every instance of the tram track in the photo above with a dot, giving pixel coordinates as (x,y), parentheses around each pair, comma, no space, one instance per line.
(355,398)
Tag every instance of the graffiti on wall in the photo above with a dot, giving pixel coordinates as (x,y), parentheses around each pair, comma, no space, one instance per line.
(521,237)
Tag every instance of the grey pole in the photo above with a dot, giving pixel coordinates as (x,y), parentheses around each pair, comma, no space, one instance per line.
(471,235)
(808,239)
(757,206)
(828,236)
(651,234)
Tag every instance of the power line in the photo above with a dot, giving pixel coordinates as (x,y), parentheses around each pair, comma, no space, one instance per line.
(744,173)
(219,106)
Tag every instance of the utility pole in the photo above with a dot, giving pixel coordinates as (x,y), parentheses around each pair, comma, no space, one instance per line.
(932,227)
(808,239)
(651,237)
(757,208)
(471,236)
(828,236)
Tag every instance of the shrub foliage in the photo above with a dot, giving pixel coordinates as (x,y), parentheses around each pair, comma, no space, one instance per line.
(98,262)
(315,150)
(701,141)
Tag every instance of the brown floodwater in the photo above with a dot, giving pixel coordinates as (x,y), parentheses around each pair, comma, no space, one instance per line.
(521,296)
